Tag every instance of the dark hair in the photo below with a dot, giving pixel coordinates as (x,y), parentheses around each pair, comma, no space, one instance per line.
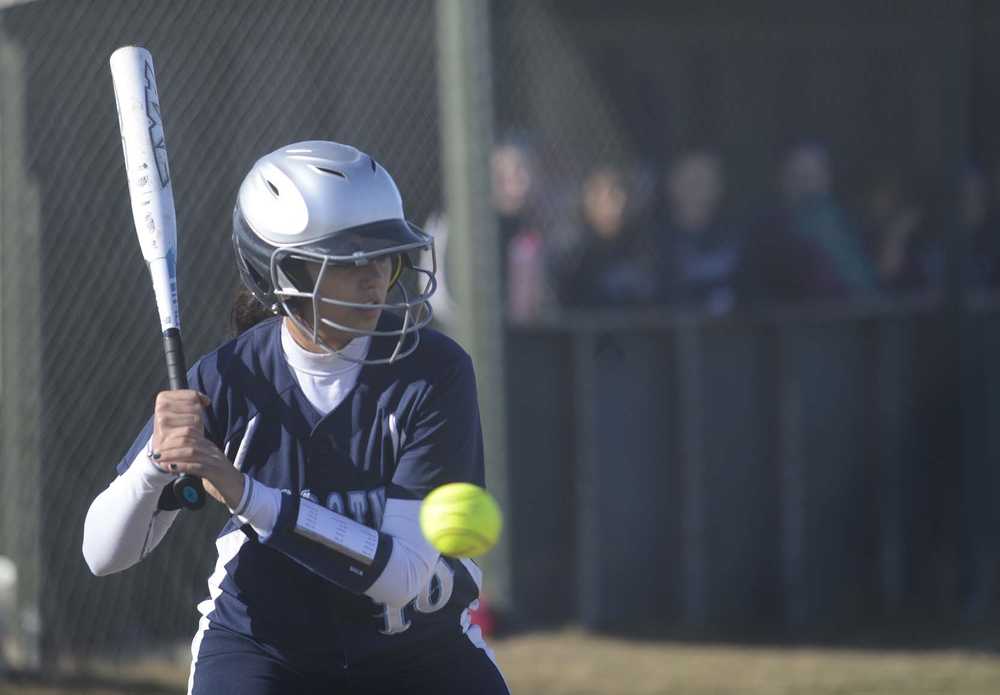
(247,312)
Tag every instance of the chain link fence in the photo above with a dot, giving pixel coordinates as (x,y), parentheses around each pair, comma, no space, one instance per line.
(237,79)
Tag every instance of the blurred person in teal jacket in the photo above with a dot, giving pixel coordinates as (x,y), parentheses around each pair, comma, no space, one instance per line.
(808,248)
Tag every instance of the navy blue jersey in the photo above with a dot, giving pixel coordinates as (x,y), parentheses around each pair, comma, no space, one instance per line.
(403,430)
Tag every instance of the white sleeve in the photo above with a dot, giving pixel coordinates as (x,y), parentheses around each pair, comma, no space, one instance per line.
(412,560)
(123,524)
(259,507)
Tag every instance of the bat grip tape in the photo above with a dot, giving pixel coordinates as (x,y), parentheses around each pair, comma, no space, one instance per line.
(173,350)
(187,491)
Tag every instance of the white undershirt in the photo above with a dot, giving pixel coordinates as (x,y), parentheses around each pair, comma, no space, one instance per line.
(122,525)
(325,379)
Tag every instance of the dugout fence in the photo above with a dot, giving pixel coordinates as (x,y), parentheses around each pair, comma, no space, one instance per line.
(785,473)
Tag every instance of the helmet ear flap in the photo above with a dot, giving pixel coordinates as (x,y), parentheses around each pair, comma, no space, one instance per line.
(249,264)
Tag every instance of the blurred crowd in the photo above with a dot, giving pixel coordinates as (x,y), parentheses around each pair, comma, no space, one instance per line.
(624,236)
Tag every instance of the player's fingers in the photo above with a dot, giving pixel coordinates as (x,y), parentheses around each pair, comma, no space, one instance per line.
(167,417)
(204,460)
(179,396)
(179,409)
(223,482)
(203,452)
(199,467)
(174,452)
(184,401)
(181,451)
(169,420)
(185,435)
(182,467)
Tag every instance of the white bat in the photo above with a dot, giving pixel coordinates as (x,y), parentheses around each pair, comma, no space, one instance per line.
(152,199)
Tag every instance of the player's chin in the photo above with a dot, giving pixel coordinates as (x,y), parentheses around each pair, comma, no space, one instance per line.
(363,320)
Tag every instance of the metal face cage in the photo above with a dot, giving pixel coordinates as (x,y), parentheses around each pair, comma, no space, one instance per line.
(416,312)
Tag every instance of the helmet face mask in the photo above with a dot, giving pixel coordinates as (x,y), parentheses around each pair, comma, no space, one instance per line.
(303,302)
(330,206)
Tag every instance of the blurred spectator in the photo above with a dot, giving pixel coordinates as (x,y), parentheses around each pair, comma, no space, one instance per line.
(524,283)
(697,252)
(807,248)
(980,222)
(896,232)
(607,267)
(514,179)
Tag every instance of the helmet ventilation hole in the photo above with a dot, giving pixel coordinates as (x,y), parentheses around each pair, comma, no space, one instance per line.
(373,164)
(332,172)
(274,189)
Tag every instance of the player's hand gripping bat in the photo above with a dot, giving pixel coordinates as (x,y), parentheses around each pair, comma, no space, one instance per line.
(152,199)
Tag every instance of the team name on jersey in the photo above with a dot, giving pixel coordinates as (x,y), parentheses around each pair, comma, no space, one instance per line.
(363,506)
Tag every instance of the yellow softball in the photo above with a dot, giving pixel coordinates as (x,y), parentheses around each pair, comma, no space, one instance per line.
(460,520)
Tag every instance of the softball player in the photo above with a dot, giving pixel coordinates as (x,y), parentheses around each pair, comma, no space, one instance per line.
(321,429)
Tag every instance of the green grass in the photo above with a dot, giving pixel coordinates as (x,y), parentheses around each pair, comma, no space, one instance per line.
(574,663)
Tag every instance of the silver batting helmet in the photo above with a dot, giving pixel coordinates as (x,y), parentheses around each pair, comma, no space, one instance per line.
(331,204)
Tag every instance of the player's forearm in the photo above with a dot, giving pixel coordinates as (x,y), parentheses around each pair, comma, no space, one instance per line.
(390,566)
(123,523)
(413,558)
(340,550)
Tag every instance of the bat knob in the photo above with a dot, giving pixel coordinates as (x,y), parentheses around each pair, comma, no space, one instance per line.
(189,492)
